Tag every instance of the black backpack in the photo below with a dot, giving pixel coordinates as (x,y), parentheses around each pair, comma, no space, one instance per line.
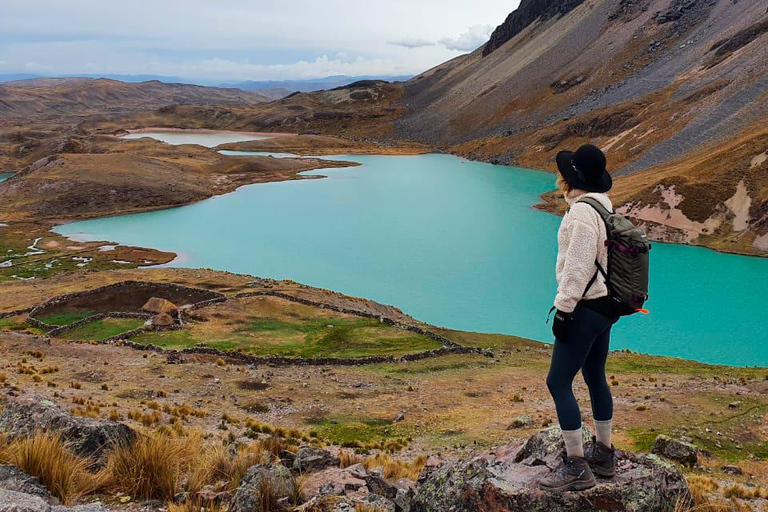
(628,261)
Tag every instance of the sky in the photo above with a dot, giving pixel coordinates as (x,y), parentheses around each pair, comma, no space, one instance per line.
(224,40)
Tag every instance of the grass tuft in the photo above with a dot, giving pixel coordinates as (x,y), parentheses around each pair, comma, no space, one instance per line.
(47,457)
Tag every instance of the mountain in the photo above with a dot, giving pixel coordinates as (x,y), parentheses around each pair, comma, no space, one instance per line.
(675,91)
(331,82)
(79,96)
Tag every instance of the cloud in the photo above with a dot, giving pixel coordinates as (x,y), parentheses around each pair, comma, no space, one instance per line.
(320,67)
(412,43)
(470,40)
(36,66)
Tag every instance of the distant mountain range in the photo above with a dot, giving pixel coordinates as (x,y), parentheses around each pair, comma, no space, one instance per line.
(82,96)
(280,87)
(311,85)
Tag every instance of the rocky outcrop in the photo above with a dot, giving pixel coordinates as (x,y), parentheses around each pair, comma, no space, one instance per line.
(14,479)
(676,449)
(20,492)
(528,12)
(309,458)
(277,478)
(506,480)
(25,415)
(12,501)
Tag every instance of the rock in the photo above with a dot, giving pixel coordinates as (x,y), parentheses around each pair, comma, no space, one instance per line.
(523,421)
(25,415)
(502,482)
(15,479)
(732,469)
(175,357)
(309,458)
(157,305)
(734,405)
(247,497)
(544,447)
(377,484)
(400,417)
(378,503)
(91,507)
(163,320)
(335,481)
(675,449)
(13,501)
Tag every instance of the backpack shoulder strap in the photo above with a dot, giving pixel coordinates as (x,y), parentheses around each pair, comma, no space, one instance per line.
(597,205)
(601,210)
(604,214)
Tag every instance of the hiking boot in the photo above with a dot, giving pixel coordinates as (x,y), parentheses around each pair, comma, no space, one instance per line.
(572,475)
(600,458)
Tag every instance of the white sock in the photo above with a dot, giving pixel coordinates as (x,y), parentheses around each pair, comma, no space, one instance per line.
(574,442)
(603,431)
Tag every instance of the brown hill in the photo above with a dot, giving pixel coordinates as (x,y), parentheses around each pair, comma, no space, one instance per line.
(120,176)
(48,97)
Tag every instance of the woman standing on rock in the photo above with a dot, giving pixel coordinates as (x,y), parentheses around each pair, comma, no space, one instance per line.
(582,323)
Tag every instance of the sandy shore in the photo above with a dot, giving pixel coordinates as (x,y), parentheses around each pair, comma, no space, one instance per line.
(204,130)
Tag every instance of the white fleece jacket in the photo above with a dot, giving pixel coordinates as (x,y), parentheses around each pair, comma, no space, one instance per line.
(581,241)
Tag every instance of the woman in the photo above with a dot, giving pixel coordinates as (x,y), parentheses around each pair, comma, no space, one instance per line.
(582,323)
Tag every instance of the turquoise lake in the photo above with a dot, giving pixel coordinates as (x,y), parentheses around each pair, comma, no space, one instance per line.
(5,175)
(451,242)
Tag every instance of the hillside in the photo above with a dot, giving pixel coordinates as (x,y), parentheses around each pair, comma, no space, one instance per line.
(662,86)
(50,97)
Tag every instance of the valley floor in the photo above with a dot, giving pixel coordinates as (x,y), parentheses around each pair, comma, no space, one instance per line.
(446,404)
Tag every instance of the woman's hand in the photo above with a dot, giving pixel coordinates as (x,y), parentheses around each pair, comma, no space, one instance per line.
(561,327)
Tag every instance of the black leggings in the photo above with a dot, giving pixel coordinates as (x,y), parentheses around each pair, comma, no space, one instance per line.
(585,349)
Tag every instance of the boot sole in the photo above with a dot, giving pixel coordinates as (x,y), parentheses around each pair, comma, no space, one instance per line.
(573,486)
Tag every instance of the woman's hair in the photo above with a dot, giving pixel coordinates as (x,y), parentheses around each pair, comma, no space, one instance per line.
(563,185)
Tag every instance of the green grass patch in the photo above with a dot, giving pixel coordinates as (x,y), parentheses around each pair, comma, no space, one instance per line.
(166,339)
(348,431)
(102,329)
(304,338)
(18,324)
(623,362)
(65,318)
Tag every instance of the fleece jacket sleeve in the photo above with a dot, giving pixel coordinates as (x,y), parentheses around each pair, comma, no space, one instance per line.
(580,258)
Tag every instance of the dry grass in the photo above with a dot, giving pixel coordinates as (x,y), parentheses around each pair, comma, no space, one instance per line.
(196,506)
(394,469)
(151,467)
(47,457)
(348,458)
(706,497)
(364,507)
(745,493)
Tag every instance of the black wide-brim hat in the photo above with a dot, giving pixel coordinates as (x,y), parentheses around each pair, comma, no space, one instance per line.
(585,169)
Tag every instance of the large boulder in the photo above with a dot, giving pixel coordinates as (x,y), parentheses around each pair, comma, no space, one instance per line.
(25,415)
(14,501)
(335,481)
(506,480)
(676,449)
(309,458)
(14,479)
(276,477)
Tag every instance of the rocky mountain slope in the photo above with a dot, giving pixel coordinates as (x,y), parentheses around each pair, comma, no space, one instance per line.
(650,81)
(47,97)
